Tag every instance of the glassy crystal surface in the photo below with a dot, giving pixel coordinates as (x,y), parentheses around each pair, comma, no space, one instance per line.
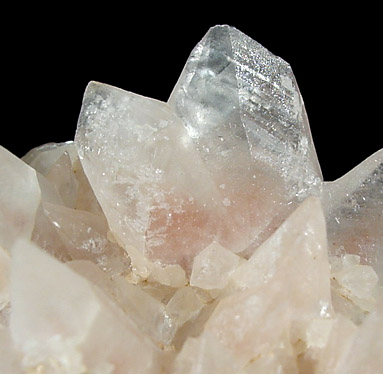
(242,107)
(354,205)
(19,199)
(194,236)
(146,175)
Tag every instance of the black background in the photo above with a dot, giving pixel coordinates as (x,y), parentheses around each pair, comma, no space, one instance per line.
(49,55)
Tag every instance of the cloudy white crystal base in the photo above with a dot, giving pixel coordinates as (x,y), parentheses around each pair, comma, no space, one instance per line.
(195,236)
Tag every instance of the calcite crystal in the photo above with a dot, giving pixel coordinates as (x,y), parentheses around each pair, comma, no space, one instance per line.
(192,236)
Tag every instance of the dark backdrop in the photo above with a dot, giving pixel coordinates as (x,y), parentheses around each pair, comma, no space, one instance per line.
(51,54)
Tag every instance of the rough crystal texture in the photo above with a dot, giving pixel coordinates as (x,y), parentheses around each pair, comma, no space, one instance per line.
(194,236)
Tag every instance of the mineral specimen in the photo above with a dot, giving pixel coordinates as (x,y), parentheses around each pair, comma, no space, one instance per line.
(195,236)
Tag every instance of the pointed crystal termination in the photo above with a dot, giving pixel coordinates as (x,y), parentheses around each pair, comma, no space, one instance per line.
(19,199)
(152,186)
(230,170)
(251,322)
(300,242)
(242,107)
(42,158)
(141,159)
(354,207)
(61,320)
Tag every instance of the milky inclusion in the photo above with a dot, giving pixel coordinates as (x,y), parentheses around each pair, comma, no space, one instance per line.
(191,236)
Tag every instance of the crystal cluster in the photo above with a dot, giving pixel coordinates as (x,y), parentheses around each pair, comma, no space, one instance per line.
(195,236)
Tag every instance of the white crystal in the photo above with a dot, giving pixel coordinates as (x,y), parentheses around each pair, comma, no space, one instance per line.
(4,278)
(253,322)
(19,199)
(145,174)
(359,280)
(169,275)
(354,206)
(364,354)
(62,177)
(184,305)
(213,267)
(42,158)
(49,300)
(300,242)
(194,236)
(204,356)
(84,235)
(318,331)
(9,357)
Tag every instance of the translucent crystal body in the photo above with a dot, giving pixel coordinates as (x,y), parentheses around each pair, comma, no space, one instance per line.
(17,216)
(194,236)
(354,205)
(150,195)
(69,324)
(242,108)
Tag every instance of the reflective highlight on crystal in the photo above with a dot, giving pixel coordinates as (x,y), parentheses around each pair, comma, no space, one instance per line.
(194,236)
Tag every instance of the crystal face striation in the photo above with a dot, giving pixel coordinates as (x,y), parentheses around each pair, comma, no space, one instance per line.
(192,236)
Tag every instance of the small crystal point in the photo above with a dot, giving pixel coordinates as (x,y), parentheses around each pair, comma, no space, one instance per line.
(286,280)
(194,236)
(43,157)
(301,243)
(354,211)
(213,267)
(19,199)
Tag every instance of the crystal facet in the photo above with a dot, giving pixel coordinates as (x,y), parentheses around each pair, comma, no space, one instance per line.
(145,173)
(19,199)
(71,321)
(354,205)
(194,236)
(242,108)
